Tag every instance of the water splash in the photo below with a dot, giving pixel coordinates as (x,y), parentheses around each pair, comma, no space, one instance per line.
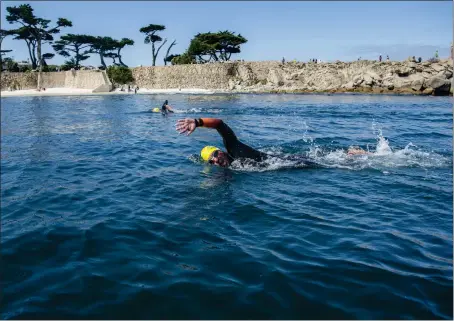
(380,156)
(198,111)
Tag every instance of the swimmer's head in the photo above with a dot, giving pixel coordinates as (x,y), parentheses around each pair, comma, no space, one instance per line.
(214,156)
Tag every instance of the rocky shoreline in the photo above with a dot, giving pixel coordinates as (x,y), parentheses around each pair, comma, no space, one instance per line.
(362,77)
(367,77)
(425,78)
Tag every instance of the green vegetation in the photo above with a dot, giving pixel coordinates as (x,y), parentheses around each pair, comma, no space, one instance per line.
(3,35)
(78,44)
(120,74)
(151,37)
(207,47)
(37,28)
(36,31)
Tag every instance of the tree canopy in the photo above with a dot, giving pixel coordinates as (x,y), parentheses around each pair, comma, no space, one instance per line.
(77,44)
(102,46)
(215,46)
(120,45)
(151,37)
(38,28)
(3,35)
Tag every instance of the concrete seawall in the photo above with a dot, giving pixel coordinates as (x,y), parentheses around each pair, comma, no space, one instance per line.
(83,79)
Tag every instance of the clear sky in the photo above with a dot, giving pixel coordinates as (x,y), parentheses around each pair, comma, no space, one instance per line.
(292,29)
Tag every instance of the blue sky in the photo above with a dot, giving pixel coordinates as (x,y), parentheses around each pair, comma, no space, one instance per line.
(295,29)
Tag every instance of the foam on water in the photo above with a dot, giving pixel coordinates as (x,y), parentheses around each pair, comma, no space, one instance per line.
(380,156)
(198,111)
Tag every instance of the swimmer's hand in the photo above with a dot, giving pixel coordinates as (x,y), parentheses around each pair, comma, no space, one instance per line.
(186,126)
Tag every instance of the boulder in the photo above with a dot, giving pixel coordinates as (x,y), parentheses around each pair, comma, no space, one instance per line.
(417,85)
(357,80)
(404,72)
(440,85)
(348,85)
(446,74)
(231,84)
(275,78)
(419,68)
(411,65)
(368,81)
(428,91)
(388,84)
(437,82)
(437,67)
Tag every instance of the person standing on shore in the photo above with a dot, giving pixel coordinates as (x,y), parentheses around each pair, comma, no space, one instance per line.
(379,58)
(387,58)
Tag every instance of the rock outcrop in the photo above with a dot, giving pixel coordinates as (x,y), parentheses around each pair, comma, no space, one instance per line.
(269,76)
(424,78)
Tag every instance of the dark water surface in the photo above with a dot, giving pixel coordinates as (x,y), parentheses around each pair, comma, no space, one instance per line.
(108,213)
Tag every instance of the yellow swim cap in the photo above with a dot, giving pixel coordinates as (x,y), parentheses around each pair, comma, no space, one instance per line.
(156,110)
(207,151)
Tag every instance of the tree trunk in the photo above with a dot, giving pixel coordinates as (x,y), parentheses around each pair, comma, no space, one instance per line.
(31,56)
(157,51)
(77,57)
(34,62)
(102,60)
(153,52)
(40,64)
(168,51)
(119,59)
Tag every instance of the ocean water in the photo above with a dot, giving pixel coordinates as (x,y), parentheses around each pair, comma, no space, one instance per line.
(107,212)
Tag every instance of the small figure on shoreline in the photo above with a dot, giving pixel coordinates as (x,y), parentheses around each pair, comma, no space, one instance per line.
(419,59)
(379,58)
(387,58)
(283,60)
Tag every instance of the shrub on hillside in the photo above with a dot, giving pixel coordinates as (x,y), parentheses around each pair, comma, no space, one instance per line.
(120,75)
(183,59)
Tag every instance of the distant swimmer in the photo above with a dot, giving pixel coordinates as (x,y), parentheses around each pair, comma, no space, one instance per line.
(236,150)
(166,108)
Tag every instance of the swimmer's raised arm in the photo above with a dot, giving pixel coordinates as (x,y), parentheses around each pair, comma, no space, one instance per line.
(189,125)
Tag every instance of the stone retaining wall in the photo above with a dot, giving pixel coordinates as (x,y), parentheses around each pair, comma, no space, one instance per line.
(84,79)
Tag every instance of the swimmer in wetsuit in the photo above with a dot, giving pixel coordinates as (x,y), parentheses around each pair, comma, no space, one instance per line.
(166,108)
(235,148)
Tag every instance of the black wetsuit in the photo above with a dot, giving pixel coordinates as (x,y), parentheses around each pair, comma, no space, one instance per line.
(164,109)
(239,150)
